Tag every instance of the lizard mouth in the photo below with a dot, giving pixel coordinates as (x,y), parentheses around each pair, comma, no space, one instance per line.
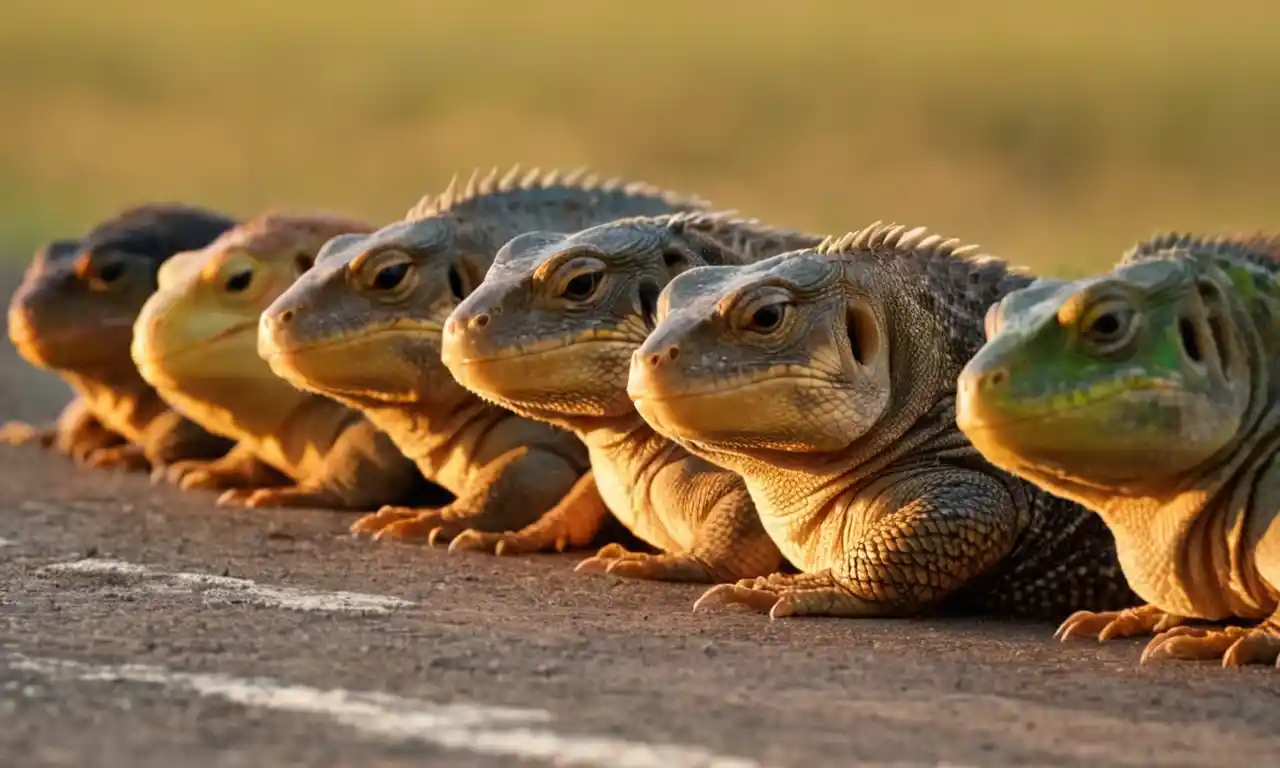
(977,416)
(22,333)
(274,347)
(540,349)
(234,332)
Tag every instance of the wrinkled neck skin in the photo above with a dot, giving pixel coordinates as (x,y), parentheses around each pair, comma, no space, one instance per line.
(625,454)
(1190,549)
(442,437)
(119,398)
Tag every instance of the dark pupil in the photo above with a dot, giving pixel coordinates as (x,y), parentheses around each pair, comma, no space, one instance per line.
(389,277)
(239,281)
(581,286)
(767,317)
(111,272)
(1106,325)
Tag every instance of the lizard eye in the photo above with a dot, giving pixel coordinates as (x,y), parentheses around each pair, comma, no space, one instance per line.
(1108,326)
(239,281)
(391,276)
(581,287)
(111,272)
(768,318)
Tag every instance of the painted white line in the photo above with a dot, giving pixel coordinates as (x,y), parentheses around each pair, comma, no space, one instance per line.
(7,542)
(495,731)
(224,589)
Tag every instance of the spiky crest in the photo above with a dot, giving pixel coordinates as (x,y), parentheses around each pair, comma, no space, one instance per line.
(479,191)
(1258,249)
(880,236)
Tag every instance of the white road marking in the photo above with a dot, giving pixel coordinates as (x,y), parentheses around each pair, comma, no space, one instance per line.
(494,731)
(224,589)
(7,542)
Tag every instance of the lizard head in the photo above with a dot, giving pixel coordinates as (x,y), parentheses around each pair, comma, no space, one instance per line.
(381,300)
(365,323)
(75,309)
(1122,380)
(836,349)
(551,329)
(201,324)
(774,354)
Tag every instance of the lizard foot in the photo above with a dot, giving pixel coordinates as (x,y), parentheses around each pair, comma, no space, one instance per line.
(408,524)
(520,542)
(187,475)
(1142,620)
(376,521)
(21,433)
(1236,646)
(785,594)
(275,498)
(130,458)
(618,561)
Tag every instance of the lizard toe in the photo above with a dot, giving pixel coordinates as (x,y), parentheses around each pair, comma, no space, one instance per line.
(761,601)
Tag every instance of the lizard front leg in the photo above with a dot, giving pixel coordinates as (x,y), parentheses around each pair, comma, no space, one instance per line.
(239,468)
(927,536)
(172,437)
(574,522)
(362,469)
(730,544)
(509,493)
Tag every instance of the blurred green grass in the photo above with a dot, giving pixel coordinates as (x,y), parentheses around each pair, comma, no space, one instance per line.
(1053,134)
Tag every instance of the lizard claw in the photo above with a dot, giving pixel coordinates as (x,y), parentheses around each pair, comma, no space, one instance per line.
(376,521)
(233,497)
(423,524)
(1236,646)
(759,600)
(509,542)
(1108,624)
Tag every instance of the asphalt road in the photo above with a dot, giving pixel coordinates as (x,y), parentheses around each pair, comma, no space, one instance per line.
(142,626)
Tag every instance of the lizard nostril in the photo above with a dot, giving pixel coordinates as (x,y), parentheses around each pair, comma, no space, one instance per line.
(285,316)
(665,356)
(480,320)
(995,378)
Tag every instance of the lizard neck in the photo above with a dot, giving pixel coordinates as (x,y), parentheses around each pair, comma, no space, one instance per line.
(1194,553)
(251,409)
(442,440)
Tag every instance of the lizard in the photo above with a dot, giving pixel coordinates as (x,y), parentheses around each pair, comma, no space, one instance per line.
(382,299)
(196,342)
(549,334)
(825,377)
(73,314)
(1149,395)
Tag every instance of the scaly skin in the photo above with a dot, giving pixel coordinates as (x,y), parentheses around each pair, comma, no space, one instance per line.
(196,341)
(826,378)
(383,299)
(1149,395)
(74,314)
(549,334)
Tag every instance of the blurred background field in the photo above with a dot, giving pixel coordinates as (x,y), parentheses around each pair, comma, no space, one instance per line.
(1053,134)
